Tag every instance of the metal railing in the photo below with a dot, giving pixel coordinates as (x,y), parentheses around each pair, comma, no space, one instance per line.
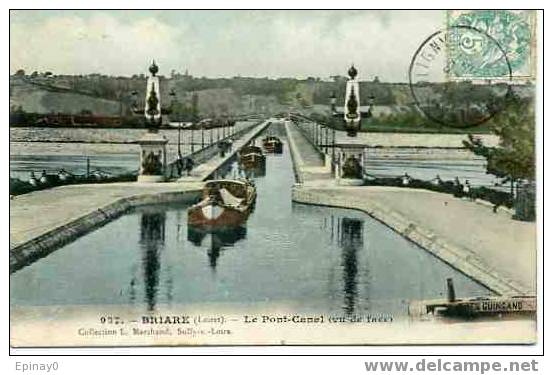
(208,151)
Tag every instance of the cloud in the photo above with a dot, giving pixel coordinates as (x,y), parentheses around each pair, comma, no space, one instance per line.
(253,43)
(378,43)
(101,43)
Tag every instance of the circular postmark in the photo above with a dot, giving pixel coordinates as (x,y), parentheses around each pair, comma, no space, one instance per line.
(457,100)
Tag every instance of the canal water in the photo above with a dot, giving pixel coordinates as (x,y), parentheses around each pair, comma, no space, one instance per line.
(305,257)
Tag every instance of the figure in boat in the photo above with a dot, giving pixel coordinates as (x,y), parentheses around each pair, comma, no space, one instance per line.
(225,203)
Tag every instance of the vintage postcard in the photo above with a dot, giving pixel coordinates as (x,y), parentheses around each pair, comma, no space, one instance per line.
(283,177)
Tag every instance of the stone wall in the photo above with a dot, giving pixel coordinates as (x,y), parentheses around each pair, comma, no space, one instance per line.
(45,244)
(455,256)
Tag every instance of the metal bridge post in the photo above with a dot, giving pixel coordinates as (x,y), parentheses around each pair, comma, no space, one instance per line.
(178,139)
(326,140)
(316,126)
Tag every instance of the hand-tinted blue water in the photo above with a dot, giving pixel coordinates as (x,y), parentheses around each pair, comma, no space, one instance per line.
(312,258)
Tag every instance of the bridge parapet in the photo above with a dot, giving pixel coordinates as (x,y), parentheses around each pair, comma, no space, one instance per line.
(212,162)
(203,155)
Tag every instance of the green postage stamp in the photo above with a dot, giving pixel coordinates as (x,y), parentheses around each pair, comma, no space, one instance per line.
(491,44)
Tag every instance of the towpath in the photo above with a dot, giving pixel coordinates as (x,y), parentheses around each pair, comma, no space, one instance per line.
(43,220)
(488,246)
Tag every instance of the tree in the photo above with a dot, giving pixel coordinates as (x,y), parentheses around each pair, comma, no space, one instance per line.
(514,159)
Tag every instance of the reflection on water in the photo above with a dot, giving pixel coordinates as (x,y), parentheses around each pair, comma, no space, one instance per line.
(351,240)
(312,259)
(217,240)
(152,240)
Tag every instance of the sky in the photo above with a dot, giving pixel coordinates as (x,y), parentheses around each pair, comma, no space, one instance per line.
(221,43)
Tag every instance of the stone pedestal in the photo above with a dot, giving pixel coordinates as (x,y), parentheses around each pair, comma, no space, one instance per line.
(153,157)
(351,158)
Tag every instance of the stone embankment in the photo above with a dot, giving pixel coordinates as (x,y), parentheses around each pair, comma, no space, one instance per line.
(490,247)
(43,221)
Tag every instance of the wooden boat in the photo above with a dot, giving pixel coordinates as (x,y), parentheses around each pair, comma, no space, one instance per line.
(252,157)
(272,144)
(224,203)
(474,307)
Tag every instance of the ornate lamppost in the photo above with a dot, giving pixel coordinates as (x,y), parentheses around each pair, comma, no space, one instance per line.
(352,111)
(348,156)
(153,152)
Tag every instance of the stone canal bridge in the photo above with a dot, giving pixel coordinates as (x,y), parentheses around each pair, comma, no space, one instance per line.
(488,246)
(44,220)
(499,253)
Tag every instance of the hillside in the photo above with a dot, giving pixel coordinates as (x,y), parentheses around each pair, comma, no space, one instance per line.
(39,99)
(211,97)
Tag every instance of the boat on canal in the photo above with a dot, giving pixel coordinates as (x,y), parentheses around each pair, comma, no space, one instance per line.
(225,203)
(251,157)
(272,144)
(475,307)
